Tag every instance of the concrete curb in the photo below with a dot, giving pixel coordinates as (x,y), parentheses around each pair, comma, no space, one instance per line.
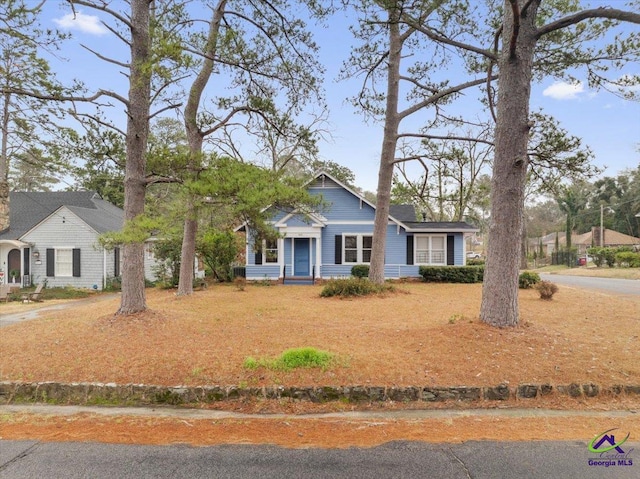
(146,395)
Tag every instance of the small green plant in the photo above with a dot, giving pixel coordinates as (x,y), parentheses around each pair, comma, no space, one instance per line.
(349,287)
(546,289)
(528,279)
(306,357)
(455,318)
(113,283)
(360,271)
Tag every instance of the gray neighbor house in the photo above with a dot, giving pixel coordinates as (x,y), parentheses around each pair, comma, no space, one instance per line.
(53,236)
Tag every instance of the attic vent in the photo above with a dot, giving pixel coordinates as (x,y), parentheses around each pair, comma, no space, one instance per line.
(322,177)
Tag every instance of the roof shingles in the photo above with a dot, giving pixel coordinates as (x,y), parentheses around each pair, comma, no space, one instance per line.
(27,209)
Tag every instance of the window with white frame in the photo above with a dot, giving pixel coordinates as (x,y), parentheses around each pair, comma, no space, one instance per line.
(356,248)
(270,248)
(64,262)
(430,249)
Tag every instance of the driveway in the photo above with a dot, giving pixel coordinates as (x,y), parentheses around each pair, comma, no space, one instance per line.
(32,313)
(609,285)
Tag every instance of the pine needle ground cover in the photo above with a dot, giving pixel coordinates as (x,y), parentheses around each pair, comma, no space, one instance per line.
(426,335)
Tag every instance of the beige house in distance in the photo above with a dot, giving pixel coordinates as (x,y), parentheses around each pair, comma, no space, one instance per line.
(612,239)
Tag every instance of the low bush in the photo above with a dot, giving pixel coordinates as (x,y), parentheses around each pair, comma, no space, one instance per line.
(306,357)
(609,256)
(452,274)
(360,271)
(628,259)
(597,255)
(475,262)
(353,287)
(528,279)
(546,289)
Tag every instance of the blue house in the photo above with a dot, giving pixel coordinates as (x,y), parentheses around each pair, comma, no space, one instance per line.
(328,244)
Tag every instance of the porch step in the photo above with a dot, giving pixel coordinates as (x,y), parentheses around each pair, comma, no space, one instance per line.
(291,280)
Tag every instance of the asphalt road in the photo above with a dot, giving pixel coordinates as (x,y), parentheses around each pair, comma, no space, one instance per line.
(477,459)
(611,285)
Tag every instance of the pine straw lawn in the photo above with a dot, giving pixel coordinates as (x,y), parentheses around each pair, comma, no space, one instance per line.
(424,335)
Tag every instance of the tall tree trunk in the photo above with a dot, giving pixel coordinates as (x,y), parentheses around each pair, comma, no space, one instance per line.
(500,289)
(387,156)
(133,287)
(5,207)
(195,138)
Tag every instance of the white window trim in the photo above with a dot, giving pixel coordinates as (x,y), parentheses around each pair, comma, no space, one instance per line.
(56,264)
(430,249)
(264,252)
(359,248)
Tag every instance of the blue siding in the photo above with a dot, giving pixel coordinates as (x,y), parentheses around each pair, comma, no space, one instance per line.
(458,239)
(298,220)
(271,272)
(343,206)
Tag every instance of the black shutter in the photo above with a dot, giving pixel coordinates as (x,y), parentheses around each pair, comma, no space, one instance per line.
(27,261)
(258,258)
(338,259)
(76,262)
(409,249)
(116,262)
(450,250)
(51,262)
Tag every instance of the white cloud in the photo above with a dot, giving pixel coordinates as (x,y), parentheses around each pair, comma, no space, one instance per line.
(564,91)
(79,21)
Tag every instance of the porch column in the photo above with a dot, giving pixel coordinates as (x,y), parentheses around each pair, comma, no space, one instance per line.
(318,256)
(281,256)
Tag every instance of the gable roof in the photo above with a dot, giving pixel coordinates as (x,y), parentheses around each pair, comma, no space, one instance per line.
(405,215)
(27,209)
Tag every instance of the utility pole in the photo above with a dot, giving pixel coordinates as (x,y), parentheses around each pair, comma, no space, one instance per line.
(601,226)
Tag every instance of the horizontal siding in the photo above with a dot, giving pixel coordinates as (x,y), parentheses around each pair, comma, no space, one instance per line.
(458,243)
(258,272)
(66,230)
(343,206)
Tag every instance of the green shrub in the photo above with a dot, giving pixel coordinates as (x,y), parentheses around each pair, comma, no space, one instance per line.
(306,357)
(353,287)
(452,274)
(360,271)
(546,289)
(475,262)
(597,254)
(628,259)
(609,256)
(528,279)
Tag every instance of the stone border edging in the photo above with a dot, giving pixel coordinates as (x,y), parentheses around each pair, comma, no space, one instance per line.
(145,395)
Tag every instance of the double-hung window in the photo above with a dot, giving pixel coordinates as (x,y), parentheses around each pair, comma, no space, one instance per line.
(431,249)
(64,262)
(270,250)
(357,248)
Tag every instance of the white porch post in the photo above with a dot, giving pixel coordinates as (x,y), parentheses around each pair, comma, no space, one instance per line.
(318,256)
(281,256)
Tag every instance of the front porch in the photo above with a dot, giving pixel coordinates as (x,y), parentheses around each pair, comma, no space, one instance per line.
(15,263)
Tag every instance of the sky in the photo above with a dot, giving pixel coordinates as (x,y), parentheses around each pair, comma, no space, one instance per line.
(609,125)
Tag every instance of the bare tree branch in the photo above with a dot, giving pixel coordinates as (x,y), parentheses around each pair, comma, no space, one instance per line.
(600,12)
